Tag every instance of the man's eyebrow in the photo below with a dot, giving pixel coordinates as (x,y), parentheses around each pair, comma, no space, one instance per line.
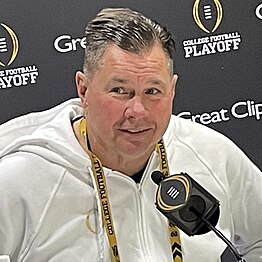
(156,82)
(119,80)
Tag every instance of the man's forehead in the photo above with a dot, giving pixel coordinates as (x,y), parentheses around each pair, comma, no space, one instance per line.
(113,50)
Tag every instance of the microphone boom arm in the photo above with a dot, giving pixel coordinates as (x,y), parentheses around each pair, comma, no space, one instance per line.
(219,234)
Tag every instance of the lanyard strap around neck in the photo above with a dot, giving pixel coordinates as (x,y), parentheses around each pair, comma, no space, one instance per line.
(98,172)
(173,230)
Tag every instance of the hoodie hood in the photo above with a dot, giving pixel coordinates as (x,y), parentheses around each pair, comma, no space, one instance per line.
(48,134)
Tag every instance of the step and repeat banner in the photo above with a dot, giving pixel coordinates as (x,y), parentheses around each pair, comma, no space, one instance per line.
(218,59)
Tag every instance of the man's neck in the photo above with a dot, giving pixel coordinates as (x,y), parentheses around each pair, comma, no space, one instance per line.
(128,166)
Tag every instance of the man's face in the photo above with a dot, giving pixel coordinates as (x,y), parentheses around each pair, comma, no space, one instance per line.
(128,101)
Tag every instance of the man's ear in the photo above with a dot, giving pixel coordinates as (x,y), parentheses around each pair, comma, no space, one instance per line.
(174,81)
(81,85)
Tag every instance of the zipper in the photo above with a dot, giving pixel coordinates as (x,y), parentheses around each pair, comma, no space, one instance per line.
(142,222)
(143,239)
(141,226)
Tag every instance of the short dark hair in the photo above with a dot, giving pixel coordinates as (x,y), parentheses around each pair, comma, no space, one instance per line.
(128,29)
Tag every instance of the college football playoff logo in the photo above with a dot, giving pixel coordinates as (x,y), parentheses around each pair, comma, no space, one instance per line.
(8,45)
(207,15)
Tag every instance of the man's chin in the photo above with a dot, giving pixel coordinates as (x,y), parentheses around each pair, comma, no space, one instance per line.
(135,148)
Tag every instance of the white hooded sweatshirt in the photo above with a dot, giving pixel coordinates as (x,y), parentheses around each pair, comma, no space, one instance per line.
(49,208)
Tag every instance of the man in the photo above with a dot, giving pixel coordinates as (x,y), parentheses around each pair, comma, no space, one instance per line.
(76,179)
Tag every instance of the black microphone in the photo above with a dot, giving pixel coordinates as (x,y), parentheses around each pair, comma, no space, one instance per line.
(191,208)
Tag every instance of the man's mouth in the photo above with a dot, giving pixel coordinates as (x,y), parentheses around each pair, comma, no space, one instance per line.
(134,131)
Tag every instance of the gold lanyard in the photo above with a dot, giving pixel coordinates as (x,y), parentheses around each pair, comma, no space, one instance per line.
(173,230)
(98,172)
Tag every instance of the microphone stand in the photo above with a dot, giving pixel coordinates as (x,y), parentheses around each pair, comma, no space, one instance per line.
(220,235)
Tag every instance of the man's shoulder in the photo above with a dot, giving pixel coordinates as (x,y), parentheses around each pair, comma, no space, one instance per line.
(28,123)
(193,133)
(24,170)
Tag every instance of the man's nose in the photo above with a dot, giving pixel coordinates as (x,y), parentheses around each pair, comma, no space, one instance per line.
(135,108)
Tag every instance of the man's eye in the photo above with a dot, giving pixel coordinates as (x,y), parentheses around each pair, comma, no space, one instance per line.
(152,91)
(117,90)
